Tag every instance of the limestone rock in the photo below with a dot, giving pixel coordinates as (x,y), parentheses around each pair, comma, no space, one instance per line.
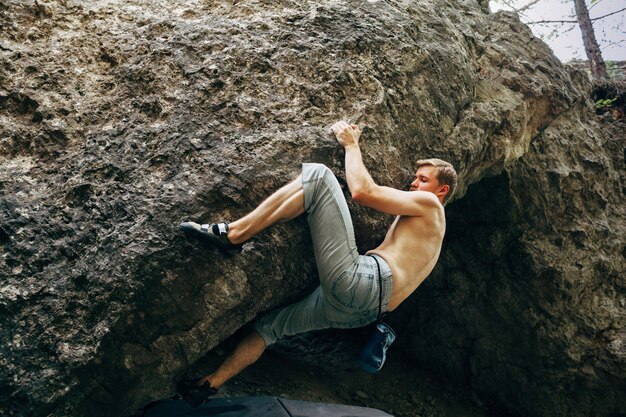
(118,120)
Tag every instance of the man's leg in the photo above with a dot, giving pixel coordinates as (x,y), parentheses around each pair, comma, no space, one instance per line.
(306,314)
(285,204)
(244,355)
(333,241)
(330,224)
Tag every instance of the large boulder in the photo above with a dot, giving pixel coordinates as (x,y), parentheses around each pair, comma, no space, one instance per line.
(119,120)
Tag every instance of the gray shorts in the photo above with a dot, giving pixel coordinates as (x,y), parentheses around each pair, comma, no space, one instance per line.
(348,294)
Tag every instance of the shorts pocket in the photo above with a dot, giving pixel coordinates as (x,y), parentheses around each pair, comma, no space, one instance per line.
(344,291)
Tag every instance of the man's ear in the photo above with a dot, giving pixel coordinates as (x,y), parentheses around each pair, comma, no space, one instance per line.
(444,189)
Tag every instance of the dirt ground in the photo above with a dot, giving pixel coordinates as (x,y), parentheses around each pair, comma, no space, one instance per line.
(323,367)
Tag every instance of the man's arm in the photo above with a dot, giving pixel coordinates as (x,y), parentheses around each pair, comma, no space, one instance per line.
(366,192)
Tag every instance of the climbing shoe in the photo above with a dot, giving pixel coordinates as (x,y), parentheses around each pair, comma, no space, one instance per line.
(193,393)
(215,234)
(374,353)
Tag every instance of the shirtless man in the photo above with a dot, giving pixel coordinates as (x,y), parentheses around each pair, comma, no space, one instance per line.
(349,291)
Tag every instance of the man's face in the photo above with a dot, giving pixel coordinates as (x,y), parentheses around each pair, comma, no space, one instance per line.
(425,180)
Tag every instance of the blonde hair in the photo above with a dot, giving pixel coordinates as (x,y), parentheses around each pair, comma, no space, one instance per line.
(445,174)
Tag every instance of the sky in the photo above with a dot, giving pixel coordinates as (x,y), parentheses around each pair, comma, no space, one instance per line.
(566,39)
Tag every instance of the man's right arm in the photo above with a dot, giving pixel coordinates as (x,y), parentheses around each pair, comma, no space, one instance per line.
(366,192)
(397,202)
(386,199)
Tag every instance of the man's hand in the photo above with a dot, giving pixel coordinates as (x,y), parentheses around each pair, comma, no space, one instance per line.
(347,135)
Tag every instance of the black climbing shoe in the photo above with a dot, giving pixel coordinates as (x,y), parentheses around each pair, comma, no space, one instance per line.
(195,394)
(215,234)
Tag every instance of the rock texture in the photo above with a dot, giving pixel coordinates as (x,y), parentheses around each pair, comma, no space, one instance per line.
(120,119)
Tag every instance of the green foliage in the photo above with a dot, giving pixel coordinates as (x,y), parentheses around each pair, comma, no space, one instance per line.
(613,70)
(606,102)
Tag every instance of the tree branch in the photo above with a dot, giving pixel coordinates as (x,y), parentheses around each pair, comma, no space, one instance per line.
(574,21)
(606,45)
(521,9)
(602,17)
(552,21)
(595,4)
(563,32)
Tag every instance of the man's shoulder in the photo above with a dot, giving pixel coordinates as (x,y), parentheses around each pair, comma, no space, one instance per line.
(430,204)
(424,197)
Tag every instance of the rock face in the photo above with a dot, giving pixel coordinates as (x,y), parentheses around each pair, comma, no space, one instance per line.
(119,120)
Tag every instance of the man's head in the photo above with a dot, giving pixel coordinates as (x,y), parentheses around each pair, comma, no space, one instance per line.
(435,176)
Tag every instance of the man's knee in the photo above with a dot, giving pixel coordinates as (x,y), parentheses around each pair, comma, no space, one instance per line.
(316,171)
(319,169)
(258,338)
(265,330)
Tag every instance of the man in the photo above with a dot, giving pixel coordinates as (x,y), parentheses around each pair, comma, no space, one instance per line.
(349,291)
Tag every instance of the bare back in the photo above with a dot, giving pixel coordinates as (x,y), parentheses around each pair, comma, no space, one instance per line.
(411,248)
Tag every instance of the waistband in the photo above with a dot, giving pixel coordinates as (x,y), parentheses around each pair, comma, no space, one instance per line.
(386,279)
